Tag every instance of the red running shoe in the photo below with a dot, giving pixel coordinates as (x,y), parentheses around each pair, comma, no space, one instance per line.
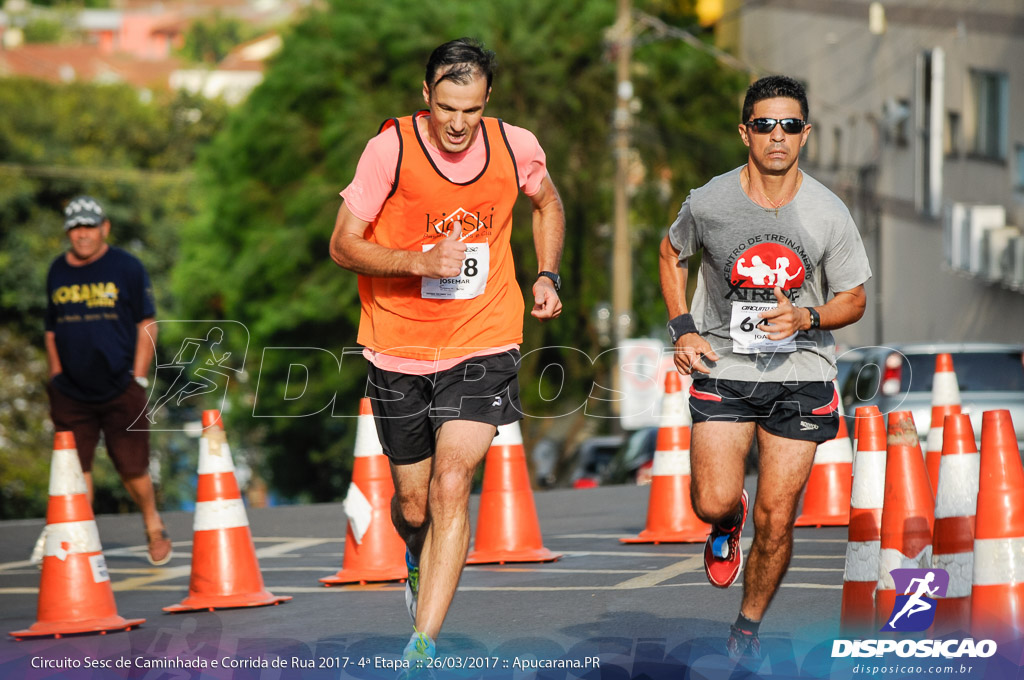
(723,556)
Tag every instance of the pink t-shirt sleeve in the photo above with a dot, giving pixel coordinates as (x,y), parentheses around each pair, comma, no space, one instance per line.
(531,163)
(375,176)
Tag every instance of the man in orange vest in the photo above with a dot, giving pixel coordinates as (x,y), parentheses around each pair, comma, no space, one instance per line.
(426,224)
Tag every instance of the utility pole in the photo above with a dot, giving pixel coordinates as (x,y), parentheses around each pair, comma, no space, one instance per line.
(622,256)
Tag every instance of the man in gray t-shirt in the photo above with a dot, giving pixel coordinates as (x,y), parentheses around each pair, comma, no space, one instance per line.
(782,265)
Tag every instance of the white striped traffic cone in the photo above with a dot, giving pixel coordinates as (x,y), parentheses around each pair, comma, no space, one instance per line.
(225,572)
(997,598)
(860,577)
(373,549)
(945,402)
(955,503)
(908,514)
(74,589)
(670,515)
(507,527)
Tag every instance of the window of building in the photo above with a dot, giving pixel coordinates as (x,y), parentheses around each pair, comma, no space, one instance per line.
(1019,182)
(951,144)
(991,113)
(837,147)
(901,131)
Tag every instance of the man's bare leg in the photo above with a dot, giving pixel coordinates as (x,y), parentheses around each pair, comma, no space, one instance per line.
(159,545)
(718,452)
(785,465)
(438,515)
(409,504)
(141,490)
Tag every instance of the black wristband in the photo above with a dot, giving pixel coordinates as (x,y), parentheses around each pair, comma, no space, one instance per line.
(815,318)
(680,326)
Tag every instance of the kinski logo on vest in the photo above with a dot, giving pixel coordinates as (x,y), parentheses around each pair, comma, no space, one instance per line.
(472,222)
(756,267)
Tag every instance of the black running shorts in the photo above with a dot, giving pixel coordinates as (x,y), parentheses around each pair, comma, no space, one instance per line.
(408,409)
(808,411)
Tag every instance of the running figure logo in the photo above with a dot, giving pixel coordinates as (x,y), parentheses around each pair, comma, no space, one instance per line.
(915,608)
(202,366)
(766,265)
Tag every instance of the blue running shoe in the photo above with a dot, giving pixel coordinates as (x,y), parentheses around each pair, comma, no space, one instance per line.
(420,651)
(412,585)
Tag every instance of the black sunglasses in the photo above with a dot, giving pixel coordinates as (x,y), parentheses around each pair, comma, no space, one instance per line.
(763,126)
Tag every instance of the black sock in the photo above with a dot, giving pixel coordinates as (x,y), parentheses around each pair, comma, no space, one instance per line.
(746,625)
(730,523)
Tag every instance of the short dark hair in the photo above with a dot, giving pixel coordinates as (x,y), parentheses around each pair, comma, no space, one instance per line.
(770,87)
(468,57)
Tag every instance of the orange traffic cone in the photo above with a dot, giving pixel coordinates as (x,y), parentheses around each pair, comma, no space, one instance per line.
(827,499)
(953,543)
(863,549)
(945,402)
(74,590)
(997,598)
(225,572)
(670,515)
(507,526)
(373,549)
(908,514)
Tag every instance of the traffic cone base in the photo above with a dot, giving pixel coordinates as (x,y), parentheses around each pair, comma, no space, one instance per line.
(374,552)
(366,569)
(107,624)
(541,554)
(75,595)
(508,529)
(212,602)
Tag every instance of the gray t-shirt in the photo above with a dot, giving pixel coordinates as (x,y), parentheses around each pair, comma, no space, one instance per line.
(810,247)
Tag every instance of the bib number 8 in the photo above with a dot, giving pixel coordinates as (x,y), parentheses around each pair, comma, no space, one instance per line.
(470,269)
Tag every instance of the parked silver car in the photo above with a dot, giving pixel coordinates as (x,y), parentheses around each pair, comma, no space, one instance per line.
(899,378)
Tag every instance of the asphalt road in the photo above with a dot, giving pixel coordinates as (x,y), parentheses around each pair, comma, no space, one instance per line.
(633,610)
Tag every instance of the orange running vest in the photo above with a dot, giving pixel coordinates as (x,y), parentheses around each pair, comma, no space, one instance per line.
(431,319)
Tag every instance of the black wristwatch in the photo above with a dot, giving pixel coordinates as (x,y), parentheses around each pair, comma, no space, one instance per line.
(555,279)
(815,318)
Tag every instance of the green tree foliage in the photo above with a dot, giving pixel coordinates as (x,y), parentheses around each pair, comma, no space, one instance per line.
(209,40)
(57,141)
(43,30)
(258,251)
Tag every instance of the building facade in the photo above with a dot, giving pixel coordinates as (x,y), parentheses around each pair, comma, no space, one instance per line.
(918,115)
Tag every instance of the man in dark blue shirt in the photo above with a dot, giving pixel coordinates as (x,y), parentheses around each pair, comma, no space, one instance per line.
(100,341)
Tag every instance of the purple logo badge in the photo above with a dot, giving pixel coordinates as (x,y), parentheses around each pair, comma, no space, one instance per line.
(916,590)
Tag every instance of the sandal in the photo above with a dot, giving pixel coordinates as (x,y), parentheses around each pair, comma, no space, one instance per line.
(160,549)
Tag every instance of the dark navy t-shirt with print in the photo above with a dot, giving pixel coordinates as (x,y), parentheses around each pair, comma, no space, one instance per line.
(93,312)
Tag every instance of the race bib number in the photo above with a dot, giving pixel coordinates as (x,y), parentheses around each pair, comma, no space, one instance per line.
(470,282)
(748,332)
